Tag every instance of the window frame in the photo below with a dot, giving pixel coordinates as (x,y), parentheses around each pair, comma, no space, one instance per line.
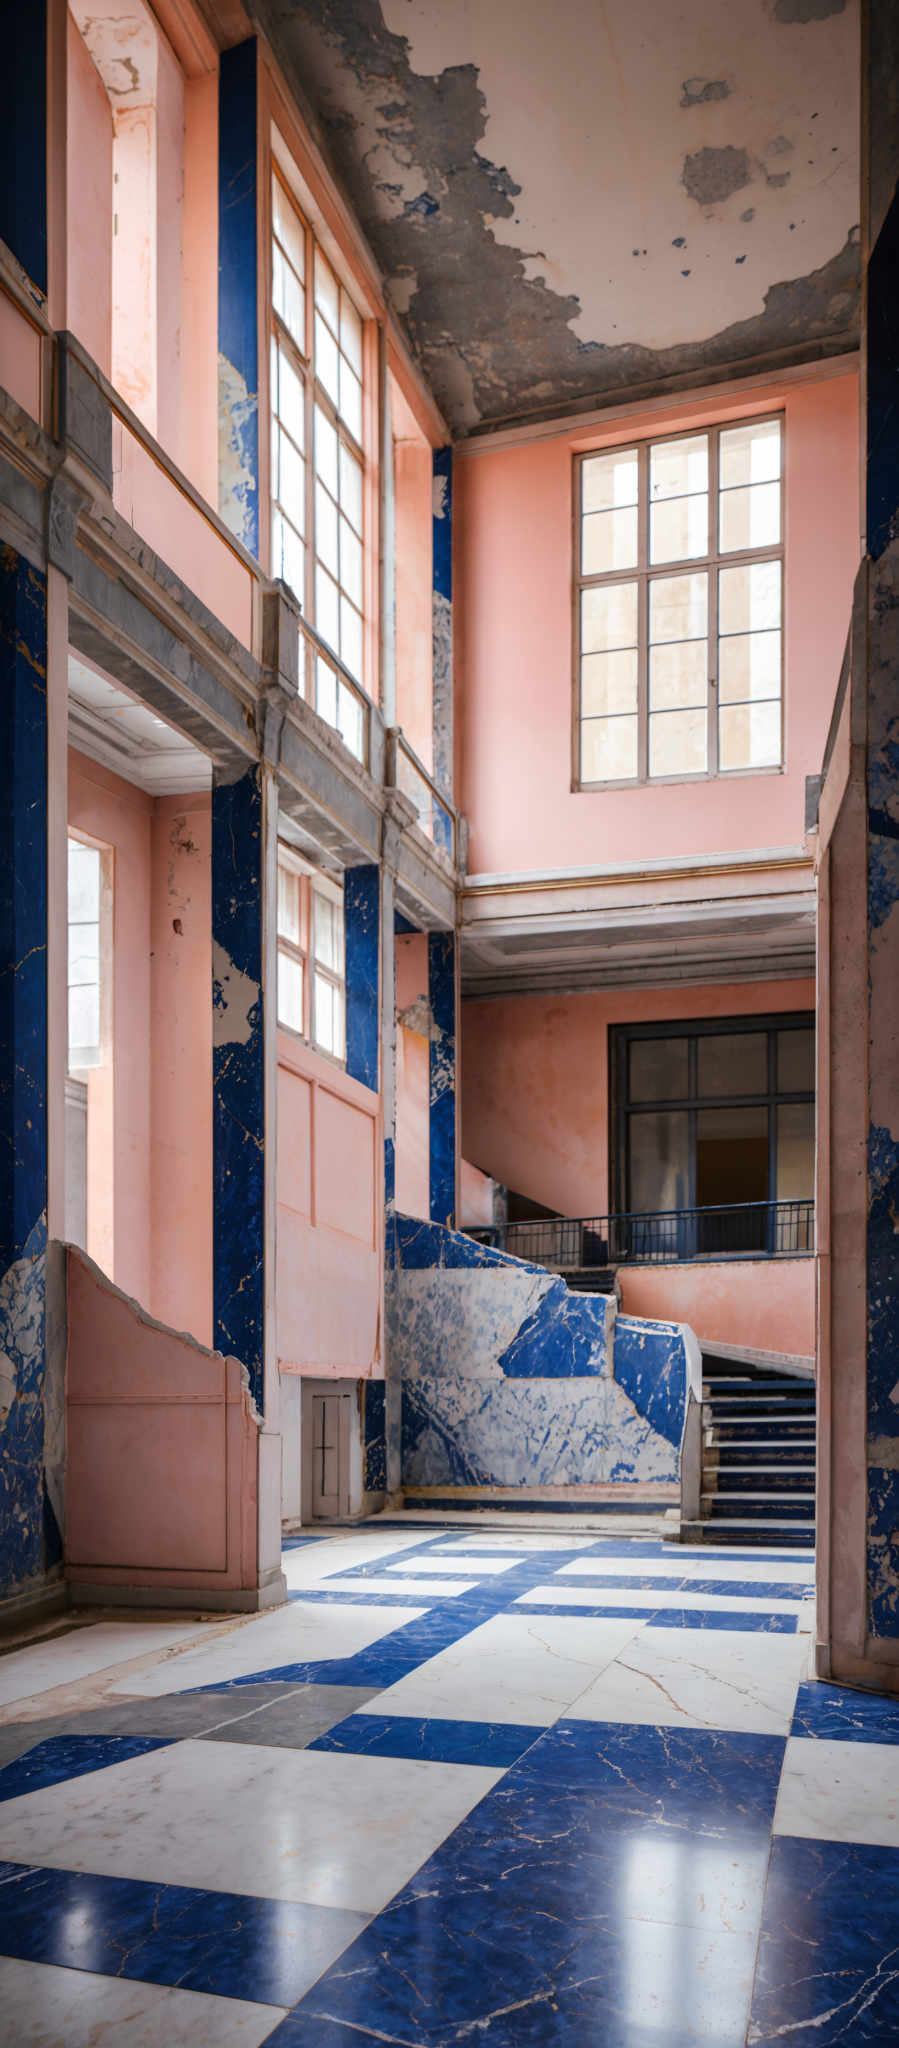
(621,1036)
(313,882)
(644,573)
(315,395)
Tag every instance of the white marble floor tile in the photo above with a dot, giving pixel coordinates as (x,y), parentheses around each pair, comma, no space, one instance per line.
(85,1651)
(632,1567)
(644,1596)
(43,2006)
(301,1633)
(415,1589)
(313,1826)
(839,1792)
(327,1555)
(513,1539)
(700,1678)
(514,1668)
(693,1565)
(466,1560)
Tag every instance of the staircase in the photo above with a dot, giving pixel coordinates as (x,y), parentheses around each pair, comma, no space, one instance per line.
(758,1456)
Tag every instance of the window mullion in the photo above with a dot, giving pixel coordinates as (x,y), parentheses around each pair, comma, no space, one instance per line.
(712,651)
(642,611)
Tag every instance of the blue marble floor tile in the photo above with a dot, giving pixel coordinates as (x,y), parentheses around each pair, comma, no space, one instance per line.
(749,1589)
(678,1617)
(828,1963)
(432,1741)
(71,1756)
(844,1715)
(707,1781)
(265,1950)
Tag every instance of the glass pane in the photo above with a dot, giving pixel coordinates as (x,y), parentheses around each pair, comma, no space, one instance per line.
(679,467)
(608,617)
(749,666)
(288,905)
(84,1026)
(750,518)
(678,529)
(678,742)
(349,721)
(734,1063)
(327,608)
(288,227)
(288,299)
(288,554)
(84,955)
(609,480)
(290,992)
(351,487)
(678,607)
(609,541)
(351,333)
(289,402)
(732,1159)
(658,1069)
(750,455)
(795,1061)
(326,290)
(608,749)
(326,690)
(350,649)
(351,399)
(749,735)
(84,883)
(291,479)
(326,531)
(325,930)
(326,450)
(678,674)
(609,683)
(351,563)
(749,598)
(795,1153)
(324,1014)
(326,359)
(658,1160)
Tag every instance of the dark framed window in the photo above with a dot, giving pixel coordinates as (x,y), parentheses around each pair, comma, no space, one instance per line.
(715,1122)
(678,628)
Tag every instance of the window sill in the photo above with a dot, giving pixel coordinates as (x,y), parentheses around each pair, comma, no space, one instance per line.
(675,781)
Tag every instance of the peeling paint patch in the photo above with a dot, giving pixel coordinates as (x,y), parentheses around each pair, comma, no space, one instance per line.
(712,175)
(792,12)
(235,1001)
(238,451)
(697,92)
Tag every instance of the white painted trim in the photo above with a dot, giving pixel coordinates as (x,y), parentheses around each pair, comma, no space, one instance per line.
(677,864)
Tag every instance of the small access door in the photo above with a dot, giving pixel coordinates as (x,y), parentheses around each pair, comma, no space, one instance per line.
(327,1485)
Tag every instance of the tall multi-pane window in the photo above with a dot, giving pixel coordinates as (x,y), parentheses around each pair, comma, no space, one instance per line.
(680,606)
(84,913)
(318,467)
(311,955)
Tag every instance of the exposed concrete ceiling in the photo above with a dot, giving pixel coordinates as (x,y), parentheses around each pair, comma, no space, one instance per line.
(573,202)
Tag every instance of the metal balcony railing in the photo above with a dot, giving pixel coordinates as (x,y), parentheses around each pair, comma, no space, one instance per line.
(659,1236)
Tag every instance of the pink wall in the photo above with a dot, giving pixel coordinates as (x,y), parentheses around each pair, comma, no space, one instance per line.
(197,451)
(535,1083)
(413,465)
(20,354)
(767,1304)
(150,1110)
(169,244)
(181,1064)
(162,1470)
(513,621)
(413,1082)
(330,1210)
(165,515)
(88,203)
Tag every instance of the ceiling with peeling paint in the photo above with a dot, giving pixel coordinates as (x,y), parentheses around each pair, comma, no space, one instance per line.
(578,203)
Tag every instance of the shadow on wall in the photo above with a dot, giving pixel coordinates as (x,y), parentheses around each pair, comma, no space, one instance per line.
(509,1379)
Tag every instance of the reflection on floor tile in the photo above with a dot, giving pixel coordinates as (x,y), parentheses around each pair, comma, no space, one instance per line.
(828,1970)
(41,2007)
(844,1714)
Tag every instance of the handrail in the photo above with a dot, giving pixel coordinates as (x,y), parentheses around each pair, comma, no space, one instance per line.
(660,1236)
(403,770)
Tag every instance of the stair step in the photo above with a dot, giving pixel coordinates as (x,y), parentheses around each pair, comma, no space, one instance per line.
(755,1506)
(761,1478)
(769,1534)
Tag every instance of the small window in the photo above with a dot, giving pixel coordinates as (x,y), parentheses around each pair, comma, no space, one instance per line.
(311,956)
(85,956)
(680,606)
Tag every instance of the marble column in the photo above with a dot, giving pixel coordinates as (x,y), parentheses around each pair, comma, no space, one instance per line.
(238,1070)
(442,993)
(238,334)
(442,631)
(29,1536)
(361,910)
(23,141)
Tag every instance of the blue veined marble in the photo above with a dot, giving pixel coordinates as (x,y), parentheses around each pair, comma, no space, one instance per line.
(266,1950)
(238,1153)
(70,1756)
(431,1741)
(362,925)
(374,1452)
(442,1073)
(749,1589)
(651,1365)
(238,331)
(682,1617)
(882,367)
(828,1961)
(442,633)
(23,144)
(563,1338)
(470,1432)
(443,522)
(24,1536)
(707,1780)
(841,1714)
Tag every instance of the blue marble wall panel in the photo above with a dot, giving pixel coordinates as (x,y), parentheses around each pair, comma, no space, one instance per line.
(511,1380)
(374,1440)
(361,909)
(442,631)
(442,1064)
(27,1527)
(238,1075)
(882,369)
(23,140)
(238,341)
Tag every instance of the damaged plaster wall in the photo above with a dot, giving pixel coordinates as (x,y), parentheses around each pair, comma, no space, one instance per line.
(566,205)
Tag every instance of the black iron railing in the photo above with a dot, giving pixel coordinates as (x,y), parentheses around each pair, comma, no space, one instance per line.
(659,1236)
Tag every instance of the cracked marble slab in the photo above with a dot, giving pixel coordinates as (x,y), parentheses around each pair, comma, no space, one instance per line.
(716,1680)
(513,1669)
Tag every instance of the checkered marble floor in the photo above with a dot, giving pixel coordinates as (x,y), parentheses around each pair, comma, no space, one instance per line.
(498,1789)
